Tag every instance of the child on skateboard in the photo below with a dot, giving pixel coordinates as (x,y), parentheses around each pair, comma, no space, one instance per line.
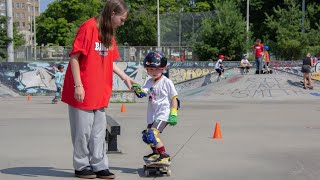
(219,67)
(163,105)
(59,77)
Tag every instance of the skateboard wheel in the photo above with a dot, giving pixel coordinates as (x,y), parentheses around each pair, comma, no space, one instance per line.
(146,172)
(169,172)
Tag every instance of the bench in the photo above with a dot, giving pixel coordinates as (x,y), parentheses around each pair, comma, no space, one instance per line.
(113,130)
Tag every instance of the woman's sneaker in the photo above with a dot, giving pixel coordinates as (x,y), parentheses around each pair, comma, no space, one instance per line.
(163,158)
(85,174)
(151,157)
(105,174)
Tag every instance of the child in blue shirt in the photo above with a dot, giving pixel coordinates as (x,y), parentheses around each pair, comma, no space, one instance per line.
(59,77)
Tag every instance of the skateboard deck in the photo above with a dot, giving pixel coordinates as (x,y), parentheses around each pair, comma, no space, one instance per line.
(156,168)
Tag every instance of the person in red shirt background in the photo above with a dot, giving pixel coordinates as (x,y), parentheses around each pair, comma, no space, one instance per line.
(88,87)
(258,52)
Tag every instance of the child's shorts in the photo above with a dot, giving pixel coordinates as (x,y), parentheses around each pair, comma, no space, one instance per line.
(159,125)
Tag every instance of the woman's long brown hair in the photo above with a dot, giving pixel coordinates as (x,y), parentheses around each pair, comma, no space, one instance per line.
(106,31)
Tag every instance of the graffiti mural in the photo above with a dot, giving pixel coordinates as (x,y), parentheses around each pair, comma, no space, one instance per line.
(182,74)
(35,77)
(29,78)
(296,70)
(135,70)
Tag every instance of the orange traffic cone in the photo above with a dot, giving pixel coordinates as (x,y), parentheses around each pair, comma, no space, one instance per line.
(29,97)
(217,133)
(123,109)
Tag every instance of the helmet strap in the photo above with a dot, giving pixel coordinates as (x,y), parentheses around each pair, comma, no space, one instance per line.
(155,80)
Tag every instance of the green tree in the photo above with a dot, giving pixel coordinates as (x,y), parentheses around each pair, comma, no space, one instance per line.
(18,38)
(141,27)
(59,23)
(225,33)
(288,41)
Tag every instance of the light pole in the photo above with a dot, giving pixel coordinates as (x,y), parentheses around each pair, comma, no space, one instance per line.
(10,31)
(248,7)
(34,30)
(158,24)
(303,14)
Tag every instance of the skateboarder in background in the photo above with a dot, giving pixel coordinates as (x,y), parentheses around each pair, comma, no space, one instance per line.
(163,105)
(59,77)
(219,67)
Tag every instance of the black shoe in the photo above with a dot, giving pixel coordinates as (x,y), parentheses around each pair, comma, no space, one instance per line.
(85,174)
(105,174)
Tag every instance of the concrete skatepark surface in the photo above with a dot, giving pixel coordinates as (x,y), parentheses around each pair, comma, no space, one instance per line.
(270,128)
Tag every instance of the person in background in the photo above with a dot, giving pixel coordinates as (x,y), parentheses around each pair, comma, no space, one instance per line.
(258,52)
(245,64)
(307,63)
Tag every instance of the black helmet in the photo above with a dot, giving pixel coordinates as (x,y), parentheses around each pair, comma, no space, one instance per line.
(155,59)
(60,66)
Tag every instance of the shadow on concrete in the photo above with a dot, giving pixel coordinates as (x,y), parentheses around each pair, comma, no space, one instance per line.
(295,83)
(139,171)
(38,171)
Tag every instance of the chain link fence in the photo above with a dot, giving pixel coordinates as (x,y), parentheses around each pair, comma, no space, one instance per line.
(178,31)
(127,53)
(181,29)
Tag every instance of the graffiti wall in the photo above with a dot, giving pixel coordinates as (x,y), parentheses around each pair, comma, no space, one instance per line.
(29,78)
(295,68)
(36,77)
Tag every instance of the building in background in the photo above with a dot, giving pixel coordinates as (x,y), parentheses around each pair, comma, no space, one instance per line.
(24,13)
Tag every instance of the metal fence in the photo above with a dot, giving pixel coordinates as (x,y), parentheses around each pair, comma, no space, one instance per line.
(127,53)
(180,29)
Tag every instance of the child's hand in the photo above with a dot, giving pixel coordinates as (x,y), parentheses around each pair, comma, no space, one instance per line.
(173,118)
(138,91)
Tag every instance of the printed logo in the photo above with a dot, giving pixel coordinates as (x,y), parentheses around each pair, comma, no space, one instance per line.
(103,51)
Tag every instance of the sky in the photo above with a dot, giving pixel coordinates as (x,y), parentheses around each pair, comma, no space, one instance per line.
(44,4)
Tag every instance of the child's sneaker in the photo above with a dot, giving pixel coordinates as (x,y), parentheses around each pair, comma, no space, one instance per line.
(151,157)
(164,158)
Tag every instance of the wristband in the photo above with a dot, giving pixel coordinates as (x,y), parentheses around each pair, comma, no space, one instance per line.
(80,85)
(174,112)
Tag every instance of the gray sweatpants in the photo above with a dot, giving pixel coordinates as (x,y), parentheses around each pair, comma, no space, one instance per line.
(88,132)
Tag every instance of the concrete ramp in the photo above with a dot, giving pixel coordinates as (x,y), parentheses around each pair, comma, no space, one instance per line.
(276,86)
(7,92)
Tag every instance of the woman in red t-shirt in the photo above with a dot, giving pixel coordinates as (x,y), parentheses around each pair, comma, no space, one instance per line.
(88,87)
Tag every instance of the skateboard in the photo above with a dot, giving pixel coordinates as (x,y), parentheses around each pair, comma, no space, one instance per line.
(156,168)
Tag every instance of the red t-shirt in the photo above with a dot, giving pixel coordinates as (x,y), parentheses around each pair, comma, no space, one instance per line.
(96,69)
(258,48)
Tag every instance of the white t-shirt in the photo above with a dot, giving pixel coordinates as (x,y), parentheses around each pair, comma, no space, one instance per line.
(160,96)
(244,61)
(218,64)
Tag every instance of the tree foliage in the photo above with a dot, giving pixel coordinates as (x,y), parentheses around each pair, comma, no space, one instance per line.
(59,23)
(18,38)
(287,39)
(225,33)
